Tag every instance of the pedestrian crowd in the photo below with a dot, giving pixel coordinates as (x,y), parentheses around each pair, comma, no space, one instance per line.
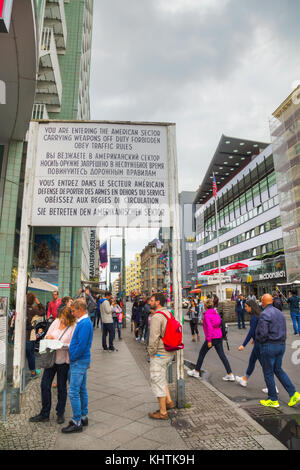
(267,334)
(69,323)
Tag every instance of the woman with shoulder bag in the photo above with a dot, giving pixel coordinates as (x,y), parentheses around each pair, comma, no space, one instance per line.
(61,329)
(194,316)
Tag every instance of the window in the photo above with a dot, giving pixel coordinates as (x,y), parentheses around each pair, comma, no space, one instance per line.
(266,205)
(262,229)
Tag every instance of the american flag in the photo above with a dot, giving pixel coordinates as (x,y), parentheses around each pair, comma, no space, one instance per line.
(215,190)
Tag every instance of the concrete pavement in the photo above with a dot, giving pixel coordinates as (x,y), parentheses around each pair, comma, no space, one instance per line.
(119,401)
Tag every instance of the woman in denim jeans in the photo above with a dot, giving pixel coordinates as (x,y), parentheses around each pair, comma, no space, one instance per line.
(116,310)
(251,307)
(62,328)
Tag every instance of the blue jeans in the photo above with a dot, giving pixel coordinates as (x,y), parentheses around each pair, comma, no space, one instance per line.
(271,360)
(218,345)
(241,318)
(295,316)
(255,355)
(30,355)
(77,390)
(118,325)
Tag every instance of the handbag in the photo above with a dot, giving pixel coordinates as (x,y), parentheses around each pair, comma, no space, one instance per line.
(47,360)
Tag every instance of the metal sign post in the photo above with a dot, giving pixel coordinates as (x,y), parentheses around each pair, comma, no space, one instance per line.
(3,352)
(98,174)
(176,258)
(20,320)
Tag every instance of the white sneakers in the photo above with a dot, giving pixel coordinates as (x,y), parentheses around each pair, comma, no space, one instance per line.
(193,373)
(229,378)
(241,381)
(265,390)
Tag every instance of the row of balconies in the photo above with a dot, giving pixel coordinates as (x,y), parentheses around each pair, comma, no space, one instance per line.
(52,42)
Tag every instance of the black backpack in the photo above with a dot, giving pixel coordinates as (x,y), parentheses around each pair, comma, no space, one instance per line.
(277,302)
(224,328)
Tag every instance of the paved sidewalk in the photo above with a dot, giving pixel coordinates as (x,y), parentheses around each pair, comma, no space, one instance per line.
(119,401)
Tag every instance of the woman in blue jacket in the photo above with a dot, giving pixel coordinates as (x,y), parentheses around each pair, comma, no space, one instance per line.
(251,307)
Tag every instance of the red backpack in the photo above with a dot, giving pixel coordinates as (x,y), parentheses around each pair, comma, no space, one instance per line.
(173,335)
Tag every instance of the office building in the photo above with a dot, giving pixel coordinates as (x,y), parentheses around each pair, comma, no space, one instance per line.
(19,61)
(248,219)
(188,240)
(285,134)
(44,75)
(152,269)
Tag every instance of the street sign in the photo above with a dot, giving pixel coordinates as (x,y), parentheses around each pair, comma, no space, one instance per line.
(4,286)
(115,265)
(87,174)
(3,350)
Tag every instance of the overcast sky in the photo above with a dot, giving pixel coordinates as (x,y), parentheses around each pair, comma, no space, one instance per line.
(211,66)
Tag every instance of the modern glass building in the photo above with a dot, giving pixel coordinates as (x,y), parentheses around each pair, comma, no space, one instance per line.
(188,241)
(248,217)
(60,45)
(63,93)
(285,134)
(19,48)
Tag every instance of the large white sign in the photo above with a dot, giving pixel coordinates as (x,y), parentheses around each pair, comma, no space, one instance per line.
(91,174)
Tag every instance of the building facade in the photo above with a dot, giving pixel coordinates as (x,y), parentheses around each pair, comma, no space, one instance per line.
(188,240)
(62,92)
(285,134)
(133,276)
(19,50)
(152,269)
(248,218)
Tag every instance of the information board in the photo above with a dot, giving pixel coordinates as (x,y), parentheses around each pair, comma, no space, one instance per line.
(108,174)
(115,265)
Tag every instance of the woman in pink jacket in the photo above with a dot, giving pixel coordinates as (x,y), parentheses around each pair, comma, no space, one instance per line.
(213,335)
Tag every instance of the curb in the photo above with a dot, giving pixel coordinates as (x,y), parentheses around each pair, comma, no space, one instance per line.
(263,438)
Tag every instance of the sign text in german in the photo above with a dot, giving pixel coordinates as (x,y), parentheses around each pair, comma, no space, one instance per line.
(90,173)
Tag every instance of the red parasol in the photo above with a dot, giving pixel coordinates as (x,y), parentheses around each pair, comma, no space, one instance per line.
(216,271)
(236,266)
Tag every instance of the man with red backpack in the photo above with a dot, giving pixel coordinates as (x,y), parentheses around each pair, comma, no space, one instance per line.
(165,338)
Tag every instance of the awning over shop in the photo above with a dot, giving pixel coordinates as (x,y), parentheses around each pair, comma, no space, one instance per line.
(38,284)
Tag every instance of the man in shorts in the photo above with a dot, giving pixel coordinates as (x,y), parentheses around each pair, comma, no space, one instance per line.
(160,358)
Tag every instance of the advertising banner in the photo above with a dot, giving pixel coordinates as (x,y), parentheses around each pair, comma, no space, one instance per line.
(103,255)
(115,265)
